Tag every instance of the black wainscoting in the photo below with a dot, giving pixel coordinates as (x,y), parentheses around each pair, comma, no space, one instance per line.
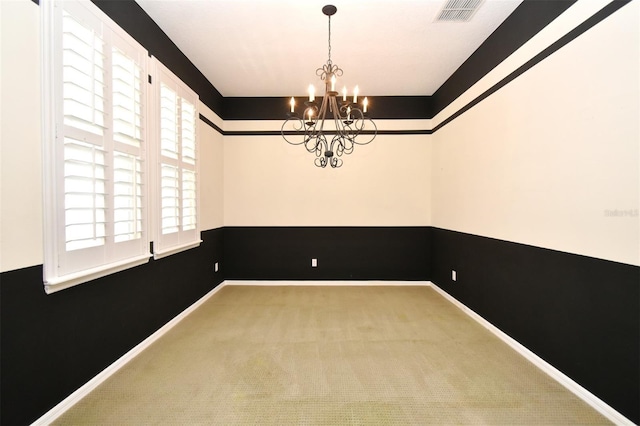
(580,314)
(343,253)
(53,344)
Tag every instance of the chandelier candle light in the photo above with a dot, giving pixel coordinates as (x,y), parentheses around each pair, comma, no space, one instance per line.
(348,118)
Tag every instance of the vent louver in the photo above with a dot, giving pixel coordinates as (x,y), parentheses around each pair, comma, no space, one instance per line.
(458,10)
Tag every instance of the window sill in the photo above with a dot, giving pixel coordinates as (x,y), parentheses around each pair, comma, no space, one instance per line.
(55,284)
(159,254)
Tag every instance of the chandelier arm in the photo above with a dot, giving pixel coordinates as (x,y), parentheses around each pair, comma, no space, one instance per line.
(311,144)
(348,135)
(333,142)
(297,124)
(373,135)
(338,120)
(342,132)
(317,145)
(323,111)
(322,147)
(337,145)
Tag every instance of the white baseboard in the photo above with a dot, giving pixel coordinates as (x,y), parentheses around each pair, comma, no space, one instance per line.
(327,283)
(582,393)
(51,415)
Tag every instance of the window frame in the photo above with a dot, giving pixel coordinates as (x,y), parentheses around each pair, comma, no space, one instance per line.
(168,244)
(65,268)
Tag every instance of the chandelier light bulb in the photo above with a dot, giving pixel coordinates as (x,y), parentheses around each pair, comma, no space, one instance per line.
(344,94)
(312,93)
(292,102)
(355,95)
(365,103)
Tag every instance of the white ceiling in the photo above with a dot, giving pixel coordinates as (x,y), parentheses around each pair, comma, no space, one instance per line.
(273,47)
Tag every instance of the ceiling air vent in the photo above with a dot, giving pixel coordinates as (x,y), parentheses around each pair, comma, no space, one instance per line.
(458,10)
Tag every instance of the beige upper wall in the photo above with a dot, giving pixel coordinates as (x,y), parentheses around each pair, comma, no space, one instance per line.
(21,236)
(268,182)
(271,183)
(211,172)
(547,158)
(20,146)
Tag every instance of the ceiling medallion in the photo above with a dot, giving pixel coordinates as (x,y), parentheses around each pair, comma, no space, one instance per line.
(330,141)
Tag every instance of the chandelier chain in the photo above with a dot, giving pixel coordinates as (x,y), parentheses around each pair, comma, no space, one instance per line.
(329,39)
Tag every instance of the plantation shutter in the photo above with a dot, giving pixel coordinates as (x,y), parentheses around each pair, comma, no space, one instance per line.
(189,192)
(98,154)
(128,118)
(83,94)
(177,194)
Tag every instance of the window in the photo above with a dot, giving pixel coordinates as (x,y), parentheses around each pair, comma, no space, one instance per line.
(176,166)
(94,146)
(110,155)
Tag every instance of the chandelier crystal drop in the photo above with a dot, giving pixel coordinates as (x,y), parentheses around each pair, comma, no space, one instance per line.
(333,127)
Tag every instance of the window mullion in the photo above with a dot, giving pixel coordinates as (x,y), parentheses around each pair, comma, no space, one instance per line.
(179,128)
(109,147)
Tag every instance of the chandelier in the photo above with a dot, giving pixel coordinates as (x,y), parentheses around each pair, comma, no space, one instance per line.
(313,130)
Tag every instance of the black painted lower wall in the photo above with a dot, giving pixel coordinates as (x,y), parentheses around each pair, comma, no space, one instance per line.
(580,314)
(53,344)
(343,253)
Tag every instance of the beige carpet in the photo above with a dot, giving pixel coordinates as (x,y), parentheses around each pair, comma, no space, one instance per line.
(304,355)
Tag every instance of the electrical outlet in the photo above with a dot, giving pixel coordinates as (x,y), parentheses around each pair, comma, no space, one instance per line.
(314,263)
(215,267)
(454,275)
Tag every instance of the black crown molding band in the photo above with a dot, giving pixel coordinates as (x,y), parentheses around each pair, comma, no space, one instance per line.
(411,102)
(526,21)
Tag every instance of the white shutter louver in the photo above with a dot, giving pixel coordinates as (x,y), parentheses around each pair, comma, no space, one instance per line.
(188,132)
(83,76)
(127,100)
(127,197)
(168,122)
(170,194)
(189,200)
(84,195)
